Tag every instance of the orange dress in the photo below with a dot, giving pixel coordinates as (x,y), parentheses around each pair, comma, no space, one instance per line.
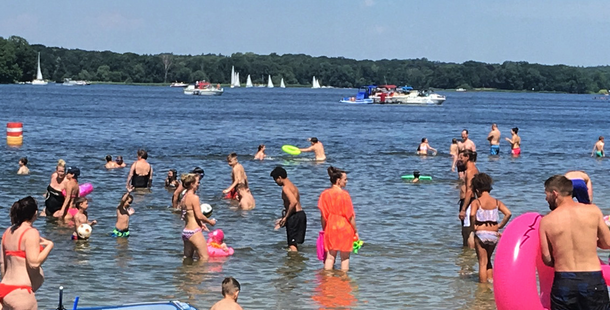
(336,207)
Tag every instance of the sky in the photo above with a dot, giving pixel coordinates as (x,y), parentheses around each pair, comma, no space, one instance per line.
(493,31)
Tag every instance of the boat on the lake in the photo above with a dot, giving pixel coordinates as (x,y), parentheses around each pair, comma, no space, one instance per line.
(178,84)
(70,82)
(460,89)
(39,80)
(249,82)
(315,83)
(269,83)
(202,88)
(282,85)
(390,94)
(362,97)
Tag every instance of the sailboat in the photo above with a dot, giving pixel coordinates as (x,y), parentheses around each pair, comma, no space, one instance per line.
(314,83)
(249,82)
(237,84)
(282,85)
(232,76)
(39,80)
(269,83)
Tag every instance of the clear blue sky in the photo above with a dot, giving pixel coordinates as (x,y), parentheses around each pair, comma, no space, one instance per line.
(540,31)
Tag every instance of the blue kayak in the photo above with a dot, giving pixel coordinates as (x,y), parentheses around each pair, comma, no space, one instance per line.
(167,305)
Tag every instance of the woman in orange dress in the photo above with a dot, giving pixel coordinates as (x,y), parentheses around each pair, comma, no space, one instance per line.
(338,220)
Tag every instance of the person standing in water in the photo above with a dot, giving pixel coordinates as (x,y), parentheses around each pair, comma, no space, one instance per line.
(569,237)
(293,216)
(338,220)
(484,215)
(194,220)
(23,166)
(238,175)
(465,144)
(72,191)
(141,172)
(245,198)
(494,140)
(230,293)
(180,190)
(466,197)
(54,199)
(123,212)
(582,188)
(260,155)
(317,148)
(453,151)
(423,147)
(23,253)
(598,148)
(515,142)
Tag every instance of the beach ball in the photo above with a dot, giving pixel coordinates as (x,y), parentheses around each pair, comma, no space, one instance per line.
(84,231)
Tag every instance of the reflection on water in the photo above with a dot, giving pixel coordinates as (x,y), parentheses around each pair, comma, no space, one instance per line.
(334,290)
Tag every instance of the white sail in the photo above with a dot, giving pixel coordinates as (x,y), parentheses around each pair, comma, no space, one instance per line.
(237,84)
(232,76)
(249,81)
(39,73)
(282,85)
(269,83)
(314,83)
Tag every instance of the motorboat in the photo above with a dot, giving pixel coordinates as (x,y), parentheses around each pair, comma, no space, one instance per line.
(362,97)
(178,84)
(70,82)
(390,94)
(460,89)
(39,80)
(202,88)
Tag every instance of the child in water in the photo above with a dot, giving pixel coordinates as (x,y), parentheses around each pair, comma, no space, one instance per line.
(216,239)
(81,217)
(245,198)
(230,293)
(23,166)
(261,152)
(123,212)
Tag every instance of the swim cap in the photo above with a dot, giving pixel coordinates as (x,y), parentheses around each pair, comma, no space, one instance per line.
(75,171)
(216,236)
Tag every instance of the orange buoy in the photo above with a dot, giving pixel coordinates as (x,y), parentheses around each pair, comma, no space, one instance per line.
(14,134)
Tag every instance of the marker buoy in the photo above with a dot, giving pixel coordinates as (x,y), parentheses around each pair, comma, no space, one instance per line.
(14,134)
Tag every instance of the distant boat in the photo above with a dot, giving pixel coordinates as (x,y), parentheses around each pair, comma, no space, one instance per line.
(232,76)
(269,83)
(282,85)
(314,83)
(70,82)
(203,89)
(39,80)
(237,84)
(178,84)
(249,82)
(460,89)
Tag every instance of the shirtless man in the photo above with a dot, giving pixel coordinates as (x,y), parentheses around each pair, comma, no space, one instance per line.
(317,148)
(465,144)
(238,175)
(245,198)
(569,237)
(293,216)
(582,188)
(598,148)
(230,293)
(466,197)
(494,140)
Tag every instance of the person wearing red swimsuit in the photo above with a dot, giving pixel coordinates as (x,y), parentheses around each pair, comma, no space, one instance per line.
(23,252)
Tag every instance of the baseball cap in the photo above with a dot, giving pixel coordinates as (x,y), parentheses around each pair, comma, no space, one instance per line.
(73,170)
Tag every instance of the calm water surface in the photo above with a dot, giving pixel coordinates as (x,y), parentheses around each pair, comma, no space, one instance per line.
(412,257)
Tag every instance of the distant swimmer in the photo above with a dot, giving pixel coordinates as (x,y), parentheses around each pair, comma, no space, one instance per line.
(119,162)
(172,178)
(23,166)
(110,164)
(467,196)
(598,148)
(494,140)
(515,142)
(453,151)
(141,173)
(238,175)
(244,196)
(416,176)
(582,186)
(293,216)
(423,147)
(260,154)
(317,148)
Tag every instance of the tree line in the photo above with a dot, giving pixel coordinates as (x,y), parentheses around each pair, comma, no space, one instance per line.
(18,63)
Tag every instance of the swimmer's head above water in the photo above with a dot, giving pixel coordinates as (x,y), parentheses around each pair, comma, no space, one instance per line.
(416,174)
(108,158)
(119,160)
(199,172)
(23,161)
(75,172)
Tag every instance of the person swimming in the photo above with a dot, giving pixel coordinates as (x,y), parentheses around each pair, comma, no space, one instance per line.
(261,152)
(415,176)
(23,166)
(119,161)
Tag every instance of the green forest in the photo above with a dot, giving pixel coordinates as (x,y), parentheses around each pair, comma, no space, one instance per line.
(18,63)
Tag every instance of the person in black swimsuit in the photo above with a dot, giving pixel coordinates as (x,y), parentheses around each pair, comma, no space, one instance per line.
(136,180)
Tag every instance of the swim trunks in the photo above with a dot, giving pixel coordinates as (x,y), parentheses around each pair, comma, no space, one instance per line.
(579,290)
(120,233)
(580,191)
(494,149)
(231,194)
(599,154)
(296,225)
(516,151)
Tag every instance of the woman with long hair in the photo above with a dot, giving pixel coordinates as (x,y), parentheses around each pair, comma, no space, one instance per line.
(338,220)
(194,220)
(23,252)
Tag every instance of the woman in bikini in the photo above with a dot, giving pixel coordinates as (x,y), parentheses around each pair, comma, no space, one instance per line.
(423,147)
(72,191)
(194,220)
(23,252)
(515,142)
(54,199)
(140,175)
(484,214)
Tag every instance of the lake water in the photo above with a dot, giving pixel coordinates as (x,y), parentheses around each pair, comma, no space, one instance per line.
(412,257)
